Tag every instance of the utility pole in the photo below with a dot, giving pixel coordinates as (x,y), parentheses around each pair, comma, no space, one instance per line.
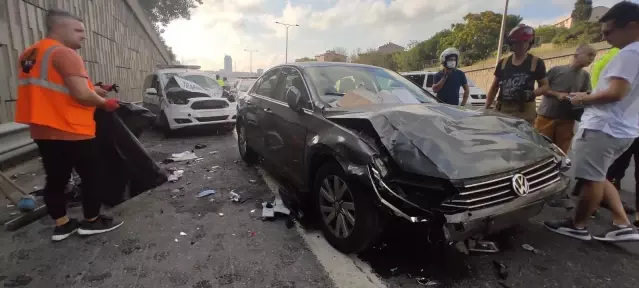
(501,33)
(250,59)
(287,26)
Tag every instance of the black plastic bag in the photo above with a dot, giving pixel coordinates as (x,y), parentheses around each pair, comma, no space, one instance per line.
(126,164)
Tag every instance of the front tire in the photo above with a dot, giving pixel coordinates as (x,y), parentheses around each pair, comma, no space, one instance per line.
(246,153)
(164,125)
(345,210)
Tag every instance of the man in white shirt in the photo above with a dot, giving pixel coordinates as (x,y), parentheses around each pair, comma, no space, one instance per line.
(608,127)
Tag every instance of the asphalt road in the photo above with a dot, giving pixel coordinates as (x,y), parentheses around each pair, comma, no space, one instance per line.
(228,245)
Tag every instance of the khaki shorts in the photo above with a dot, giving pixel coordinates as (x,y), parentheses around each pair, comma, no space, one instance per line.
(529,114)
(560,131)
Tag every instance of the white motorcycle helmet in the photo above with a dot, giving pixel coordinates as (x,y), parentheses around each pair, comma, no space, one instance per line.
(447,53)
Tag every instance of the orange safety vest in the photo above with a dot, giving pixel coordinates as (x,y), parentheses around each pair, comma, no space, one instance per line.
(42,97)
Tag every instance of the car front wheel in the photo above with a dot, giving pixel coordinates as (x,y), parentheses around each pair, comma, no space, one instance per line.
(348,216)
(247,154)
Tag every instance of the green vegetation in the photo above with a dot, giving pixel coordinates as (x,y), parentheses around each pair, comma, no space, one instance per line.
(477,38)
(162,12)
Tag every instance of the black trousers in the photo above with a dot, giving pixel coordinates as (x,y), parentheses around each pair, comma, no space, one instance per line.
(617,170)
(59,158)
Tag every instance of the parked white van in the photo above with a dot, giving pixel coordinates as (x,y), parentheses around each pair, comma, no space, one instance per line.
(476,99)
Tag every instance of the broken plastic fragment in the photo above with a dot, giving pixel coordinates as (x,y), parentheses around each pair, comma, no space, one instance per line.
(175,175)
(267,210)
(176,240)
(253,211)
(200,146)
(252,181)
(205,193)
(482,246)
(234,196)
(182,233)
(184,156)
(221,214)
(426,282)
(501,269)
(280,208)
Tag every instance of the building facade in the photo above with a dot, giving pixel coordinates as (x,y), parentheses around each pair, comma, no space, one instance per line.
(330,56)
(390,48)
(228,64)
(121,47)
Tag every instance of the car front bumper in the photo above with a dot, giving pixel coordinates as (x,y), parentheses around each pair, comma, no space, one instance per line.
(463,225)
(182,118)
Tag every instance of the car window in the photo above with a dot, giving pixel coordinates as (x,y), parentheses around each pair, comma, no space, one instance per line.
(244,85)
(429,80)
(267,83)
(292,78)
(148,81)
(417,78)
(332,82)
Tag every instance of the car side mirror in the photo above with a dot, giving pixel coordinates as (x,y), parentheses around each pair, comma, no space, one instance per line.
(294,99)
(151,91)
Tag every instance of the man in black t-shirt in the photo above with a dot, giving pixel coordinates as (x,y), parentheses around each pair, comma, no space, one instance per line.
(515,77)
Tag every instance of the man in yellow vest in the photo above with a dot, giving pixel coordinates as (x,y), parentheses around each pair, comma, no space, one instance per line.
(219,81)
(57,101)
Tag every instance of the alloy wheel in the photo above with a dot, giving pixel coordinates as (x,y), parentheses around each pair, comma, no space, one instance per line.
(337,206)
(241,139)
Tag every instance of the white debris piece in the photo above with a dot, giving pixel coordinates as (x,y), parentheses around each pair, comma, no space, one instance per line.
(184,156)
(176,175)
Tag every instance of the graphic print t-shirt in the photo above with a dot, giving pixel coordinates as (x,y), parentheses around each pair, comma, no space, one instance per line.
(518,78)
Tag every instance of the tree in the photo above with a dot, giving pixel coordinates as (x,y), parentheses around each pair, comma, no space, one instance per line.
(340,50)
(478,37)
(582,11)
(162,12)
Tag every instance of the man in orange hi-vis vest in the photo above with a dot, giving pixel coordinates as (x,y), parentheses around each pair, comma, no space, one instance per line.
(57,100)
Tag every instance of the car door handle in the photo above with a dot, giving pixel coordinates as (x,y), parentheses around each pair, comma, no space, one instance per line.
(268,110)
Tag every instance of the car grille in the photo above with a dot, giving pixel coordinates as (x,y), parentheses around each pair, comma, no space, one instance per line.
(209,104)
(211,119)
(497,191)
(478,96)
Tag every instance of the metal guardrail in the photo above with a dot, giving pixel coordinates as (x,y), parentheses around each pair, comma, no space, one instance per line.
(16,141)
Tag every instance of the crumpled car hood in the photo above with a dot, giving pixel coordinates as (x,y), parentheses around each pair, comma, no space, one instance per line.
(449,142)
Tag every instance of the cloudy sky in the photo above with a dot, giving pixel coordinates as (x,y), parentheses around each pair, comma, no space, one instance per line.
(228,27)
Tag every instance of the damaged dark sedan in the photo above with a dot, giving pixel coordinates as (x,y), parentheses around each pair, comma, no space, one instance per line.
(359,143)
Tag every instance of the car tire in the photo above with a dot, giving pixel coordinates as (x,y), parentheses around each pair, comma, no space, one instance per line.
(366,227)
(246,153)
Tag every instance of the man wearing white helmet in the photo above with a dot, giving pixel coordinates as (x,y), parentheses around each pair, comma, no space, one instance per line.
(515,77)
(450,79)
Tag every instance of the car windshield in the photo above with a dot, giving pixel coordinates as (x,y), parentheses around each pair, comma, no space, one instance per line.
(246,84)
(470,82)
(333,82)
(203,81)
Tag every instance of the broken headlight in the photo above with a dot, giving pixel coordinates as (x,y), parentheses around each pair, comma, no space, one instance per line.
(380,166)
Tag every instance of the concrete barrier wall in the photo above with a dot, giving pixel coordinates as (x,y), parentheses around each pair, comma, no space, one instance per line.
(482,75)
(121,45)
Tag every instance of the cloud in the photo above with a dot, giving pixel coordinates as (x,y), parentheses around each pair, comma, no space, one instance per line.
(227,27)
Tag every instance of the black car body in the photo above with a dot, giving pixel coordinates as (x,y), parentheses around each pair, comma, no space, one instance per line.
(461,171)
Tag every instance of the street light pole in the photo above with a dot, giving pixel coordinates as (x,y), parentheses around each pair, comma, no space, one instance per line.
(501,33)
(287,26)
(250,59)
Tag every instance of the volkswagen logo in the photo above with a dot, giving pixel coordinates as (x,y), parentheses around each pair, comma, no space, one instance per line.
(520,185)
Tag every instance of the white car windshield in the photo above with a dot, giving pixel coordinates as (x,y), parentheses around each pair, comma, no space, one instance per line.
(333,82)
(203,81)
(245,84)
(470,82)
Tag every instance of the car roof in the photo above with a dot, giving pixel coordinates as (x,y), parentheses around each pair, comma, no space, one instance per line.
(303,65)
(418,72)
(186,72)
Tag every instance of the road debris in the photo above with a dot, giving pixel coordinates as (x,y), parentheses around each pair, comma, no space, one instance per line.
(234,196)
(200,146)
(205,193)
(253,211)
(267,211)
(501,269)
(176,240)
(213,152)
(530,248)
(175,175)
(221,214)
(182,233)
(179,157)
(482,246)
(252,181)
(427,282)
(280,207)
